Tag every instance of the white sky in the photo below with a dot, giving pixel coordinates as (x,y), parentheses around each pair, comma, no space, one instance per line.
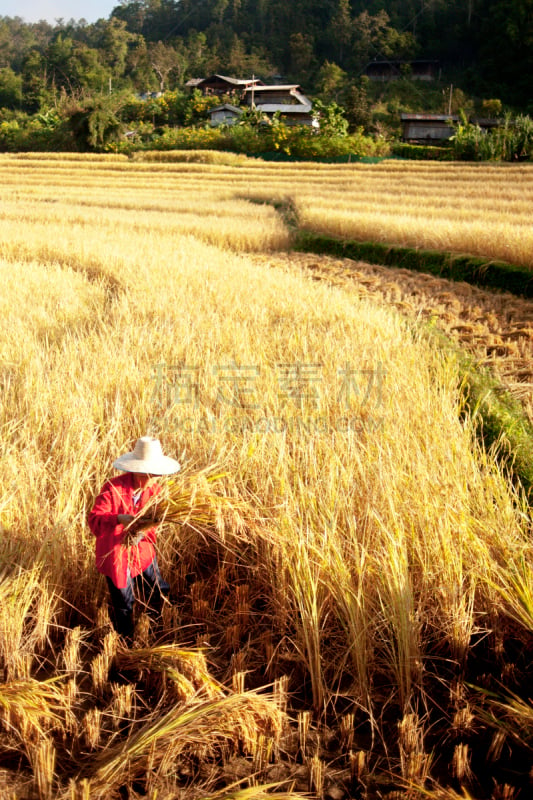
(50,10)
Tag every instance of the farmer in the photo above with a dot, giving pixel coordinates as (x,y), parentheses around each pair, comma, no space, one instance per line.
(128,560)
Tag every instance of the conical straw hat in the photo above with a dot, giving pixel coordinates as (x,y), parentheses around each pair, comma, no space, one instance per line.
(147,457)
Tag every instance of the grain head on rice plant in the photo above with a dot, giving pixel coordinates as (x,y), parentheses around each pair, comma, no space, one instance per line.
(362,553)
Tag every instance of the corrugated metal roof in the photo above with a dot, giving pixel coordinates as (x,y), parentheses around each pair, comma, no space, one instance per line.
(226,107)
(236,81)
(233,81)
(271,108)
(429,117)
(276,88)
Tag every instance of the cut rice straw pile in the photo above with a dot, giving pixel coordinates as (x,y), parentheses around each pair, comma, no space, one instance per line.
(206,729)
(175,662)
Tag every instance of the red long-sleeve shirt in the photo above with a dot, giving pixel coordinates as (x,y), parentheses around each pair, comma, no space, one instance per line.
(112,557)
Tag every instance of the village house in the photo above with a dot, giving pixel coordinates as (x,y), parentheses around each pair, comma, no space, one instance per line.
(225,114)
(287,100)
(427,128)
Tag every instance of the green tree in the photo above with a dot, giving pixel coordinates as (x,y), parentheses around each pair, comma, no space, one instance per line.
(492,108)
(505,47)
(132,13)
(10,88)
(93,121)
(114,43)
(139,70)
(198,53)
(242,62)
(58,59)
(164,60)
(357,105)
(302,53)
(331,118)
(341,29)
(330,81)
(34,81)
(375,38)
(87,70)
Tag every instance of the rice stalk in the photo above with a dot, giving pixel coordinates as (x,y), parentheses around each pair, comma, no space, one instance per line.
(122,705)
(101,663)
(511,716)
(414,761)
(91,728)
(515,587)
(461,768)
(71,655)
(349,593)
(43,761)
(316,775)
(418,791)
(306,590)
(26,611)
(401,634)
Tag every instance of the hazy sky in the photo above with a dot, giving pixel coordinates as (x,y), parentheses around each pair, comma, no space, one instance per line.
(50,10)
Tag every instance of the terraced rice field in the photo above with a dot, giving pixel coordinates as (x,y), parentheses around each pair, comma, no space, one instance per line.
(496,328)
(358,622)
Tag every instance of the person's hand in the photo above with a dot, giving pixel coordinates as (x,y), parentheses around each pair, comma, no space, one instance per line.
(131,524)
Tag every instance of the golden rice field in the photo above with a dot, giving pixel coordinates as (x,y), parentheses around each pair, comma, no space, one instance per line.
(357,622)
(496,328)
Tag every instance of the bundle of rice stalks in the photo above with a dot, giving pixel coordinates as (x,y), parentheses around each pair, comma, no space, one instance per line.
(202,730)
(175,662)
(191,500)
(30,707)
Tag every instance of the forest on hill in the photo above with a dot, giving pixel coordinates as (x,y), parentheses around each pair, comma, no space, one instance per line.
(485,47)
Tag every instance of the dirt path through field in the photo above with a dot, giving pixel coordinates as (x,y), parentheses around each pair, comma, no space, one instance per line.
(495,327)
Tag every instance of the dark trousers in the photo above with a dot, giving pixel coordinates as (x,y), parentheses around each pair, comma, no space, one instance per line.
(148,587)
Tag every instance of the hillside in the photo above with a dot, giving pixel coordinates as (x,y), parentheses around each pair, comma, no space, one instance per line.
(482,48)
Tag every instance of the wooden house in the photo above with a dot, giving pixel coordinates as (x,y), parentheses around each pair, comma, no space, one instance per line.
(284,94)
(287,100)
(427,128)
(290,114)
(225,114)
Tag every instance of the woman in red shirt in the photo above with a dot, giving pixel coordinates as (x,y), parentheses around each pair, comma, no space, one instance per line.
(132,569)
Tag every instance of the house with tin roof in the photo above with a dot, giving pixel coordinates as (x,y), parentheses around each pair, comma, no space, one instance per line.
(427,128)
(225,114)
(287,100)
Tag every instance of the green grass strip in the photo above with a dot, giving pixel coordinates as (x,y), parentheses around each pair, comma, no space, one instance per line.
(471,269)
(499,418)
